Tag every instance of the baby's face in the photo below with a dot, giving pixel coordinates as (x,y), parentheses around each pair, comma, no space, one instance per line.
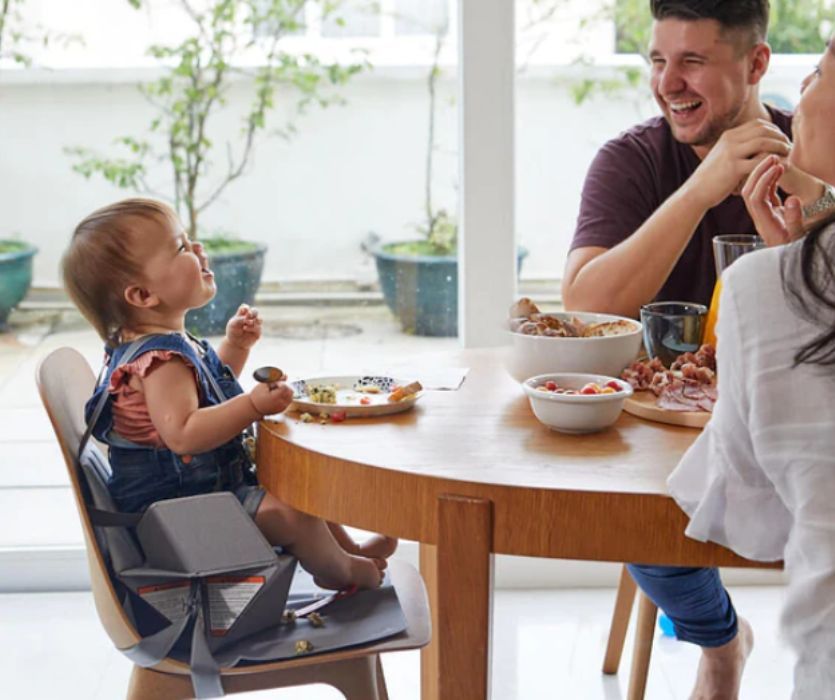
(175,269)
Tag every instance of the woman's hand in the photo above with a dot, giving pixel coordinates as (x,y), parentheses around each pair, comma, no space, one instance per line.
(244,329)
(780,222)
(777,222)
(271,398)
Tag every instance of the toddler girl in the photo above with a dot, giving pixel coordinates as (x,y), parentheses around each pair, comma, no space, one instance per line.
(175,413)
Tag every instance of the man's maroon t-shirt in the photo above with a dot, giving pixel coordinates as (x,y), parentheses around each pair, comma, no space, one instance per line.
(631,176)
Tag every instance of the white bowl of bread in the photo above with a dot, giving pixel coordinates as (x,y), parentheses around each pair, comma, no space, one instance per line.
(571,341)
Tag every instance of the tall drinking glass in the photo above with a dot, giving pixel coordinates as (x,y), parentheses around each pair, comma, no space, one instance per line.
(727,248)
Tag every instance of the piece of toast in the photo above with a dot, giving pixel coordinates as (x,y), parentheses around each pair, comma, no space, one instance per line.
(598,330)
(402,392)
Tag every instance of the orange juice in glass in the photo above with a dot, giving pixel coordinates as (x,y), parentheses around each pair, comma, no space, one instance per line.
(726,249)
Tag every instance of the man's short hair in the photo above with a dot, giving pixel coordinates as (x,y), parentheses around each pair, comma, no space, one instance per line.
(748,16)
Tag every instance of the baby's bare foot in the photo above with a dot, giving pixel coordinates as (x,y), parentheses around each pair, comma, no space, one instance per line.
(720,669)
(362,573)
(377,547)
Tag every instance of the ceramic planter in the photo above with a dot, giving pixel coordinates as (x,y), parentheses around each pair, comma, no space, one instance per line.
(15,278)
(422,290)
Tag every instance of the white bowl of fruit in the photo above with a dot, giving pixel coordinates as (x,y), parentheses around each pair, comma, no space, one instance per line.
(576,403)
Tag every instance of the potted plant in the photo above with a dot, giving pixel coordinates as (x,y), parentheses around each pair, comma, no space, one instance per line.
(419,278)
(15,255)
(192,90)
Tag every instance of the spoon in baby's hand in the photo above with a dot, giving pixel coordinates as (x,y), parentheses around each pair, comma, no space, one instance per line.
(269,375)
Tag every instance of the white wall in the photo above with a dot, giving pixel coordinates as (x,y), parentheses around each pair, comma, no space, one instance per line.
(350,169)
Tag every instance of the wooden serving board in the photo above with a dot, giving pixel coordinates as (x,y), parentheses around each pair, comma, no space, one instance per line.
(643,404)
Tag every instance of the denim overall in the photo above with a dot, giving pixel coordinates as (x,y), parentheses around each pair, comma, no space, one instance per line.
(142,474)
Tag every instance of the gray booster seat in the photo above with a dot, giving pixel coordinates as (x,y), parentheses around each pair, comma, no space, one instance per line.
(202,585)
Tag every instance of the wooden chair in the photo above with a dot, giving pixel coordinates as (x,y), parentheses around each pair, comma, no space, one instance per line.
(65,381)
(647,612)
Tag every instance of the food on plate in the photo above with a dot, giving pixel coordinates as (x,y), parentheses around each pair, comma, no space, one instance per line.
(322,393)
(526,318)
(367,388)
(689,384)
(401,392)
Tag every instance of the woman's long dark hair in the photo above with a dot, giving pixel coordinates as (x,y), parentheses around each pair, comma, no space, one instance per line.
(808,274)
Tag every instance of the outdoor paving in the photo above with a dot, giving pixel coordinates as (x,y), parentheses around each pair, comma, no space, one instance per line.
(36,509)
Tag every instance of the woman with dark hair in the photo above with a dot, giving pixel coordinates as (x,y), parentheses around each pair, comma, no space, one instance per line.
(760,479)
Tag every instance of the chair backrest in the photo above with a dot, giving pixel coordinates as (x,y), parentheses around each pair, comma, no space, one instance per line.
(65,381)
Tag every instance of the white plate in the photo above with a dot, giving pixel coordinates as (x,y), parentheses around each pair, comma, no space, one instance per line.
(348,398)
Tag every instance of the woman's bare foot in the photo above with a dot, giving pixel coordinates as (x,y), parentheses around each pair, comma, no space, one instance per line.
(363,573)
(720,668)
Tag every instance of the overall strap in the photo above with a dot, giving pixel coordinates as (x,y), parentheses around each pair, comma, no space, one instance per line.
(249,430)
(212,381)
(129,354)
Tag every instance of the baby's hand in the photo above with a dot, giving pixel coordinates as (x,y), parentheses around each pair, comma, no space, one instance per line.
(244,329)
(271,398)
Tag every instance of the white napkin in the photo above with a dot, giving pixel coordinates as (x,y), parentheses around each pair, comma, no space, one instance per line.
(435,378)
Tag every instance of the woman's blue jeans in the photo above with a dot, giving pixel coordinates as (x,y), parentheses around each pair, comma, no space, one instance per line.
(694,599)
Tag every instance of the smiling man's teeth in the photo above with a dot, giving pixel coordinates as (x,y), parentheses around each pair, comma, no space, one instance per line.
(684,106)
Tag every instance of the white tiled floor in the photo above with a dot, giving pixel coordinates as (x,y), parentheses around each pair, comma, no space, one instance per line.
(548,644)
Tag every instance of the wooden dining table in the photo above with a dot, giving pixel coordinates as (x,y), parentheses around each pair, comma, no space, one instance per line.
(470,473)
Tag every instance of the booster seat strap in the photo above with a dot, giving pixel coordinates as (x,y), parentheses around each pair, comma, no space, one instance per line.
(205,672)
(149,651)
(109,518)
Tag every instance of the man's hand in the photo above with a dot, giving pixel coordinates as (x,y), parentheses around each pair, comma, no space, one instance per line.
(779,222)
(271,398)
(737,152)
(244,329)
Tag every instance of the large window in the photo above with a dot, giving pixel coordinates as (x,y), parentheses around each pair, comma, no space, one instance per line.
(362,148)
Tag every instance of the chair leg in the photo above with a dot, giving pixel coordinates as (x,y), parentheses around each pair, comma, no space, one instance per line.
(356,679)
(146,684)
(620,621)
(644,633)
(382,690)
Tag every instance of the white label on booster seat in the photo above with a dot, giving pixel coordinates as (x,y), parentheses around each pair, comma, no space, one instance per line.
(170,599)
(228,598)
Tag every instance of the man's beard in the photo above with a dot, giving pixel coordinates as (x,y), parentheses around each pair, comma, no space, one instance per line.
(711,131)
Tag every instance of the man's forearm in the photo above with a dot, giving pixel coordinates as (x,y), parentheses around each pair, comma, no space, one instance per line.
(623,278)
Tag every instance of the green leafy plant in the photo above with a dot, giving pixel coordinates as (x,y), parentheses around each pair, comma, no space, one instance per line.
(18,37)
(194,87)
(796,26)
(11,32)
(440,228)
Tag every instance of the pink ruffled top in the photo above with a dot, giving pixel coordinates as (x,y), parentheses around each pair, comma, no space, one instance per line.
(130,412)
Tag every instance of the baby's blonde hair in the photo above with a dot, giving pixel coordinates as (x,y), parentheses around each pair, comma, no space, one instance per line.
(100,264)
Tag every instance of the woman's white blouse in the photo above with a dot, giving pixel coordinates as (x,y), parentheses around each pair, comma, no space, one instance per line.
(760,479)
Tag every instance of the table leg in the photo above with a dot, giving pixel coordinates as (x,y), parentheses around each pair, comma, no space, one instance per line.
(462,600)
(429,653)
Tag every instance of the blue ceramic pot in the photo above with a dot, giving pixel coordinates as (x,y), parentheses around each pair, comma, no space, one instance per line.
(15,278)
(422,290)
(237,276)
